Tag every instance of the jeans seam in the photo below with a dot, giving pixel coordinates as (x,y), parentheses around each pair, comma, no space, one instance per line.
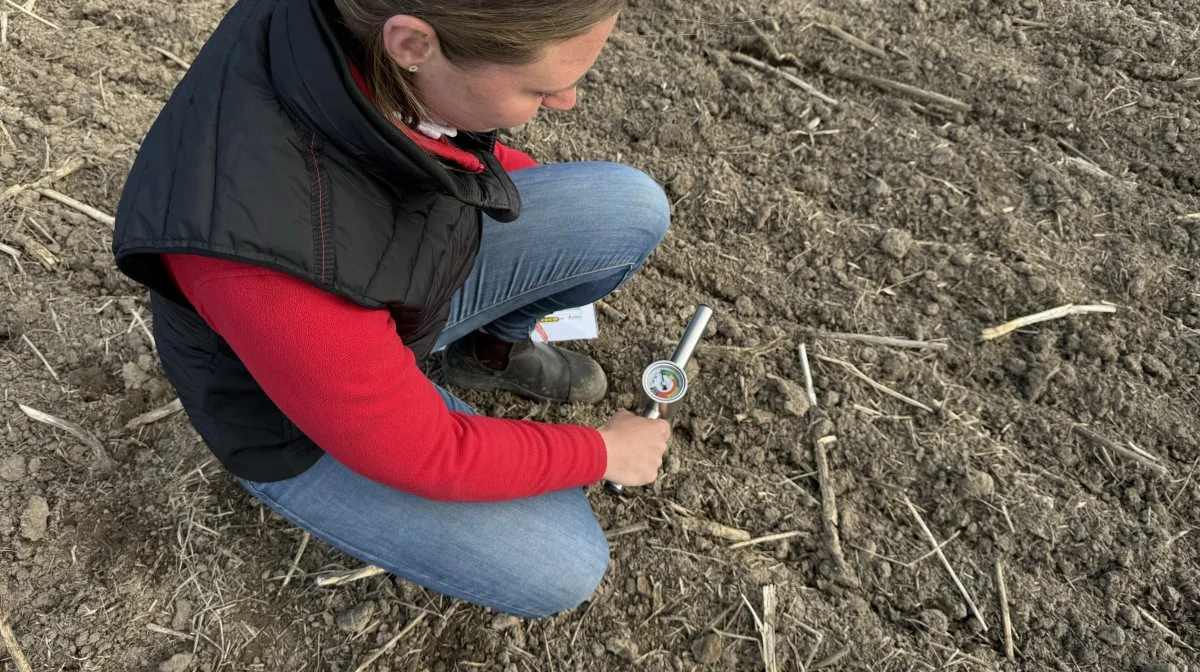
(630,269)
(418,577)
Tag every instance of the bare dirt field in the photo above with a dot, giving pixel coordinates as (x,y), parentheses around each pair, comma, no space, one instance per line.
(980,161)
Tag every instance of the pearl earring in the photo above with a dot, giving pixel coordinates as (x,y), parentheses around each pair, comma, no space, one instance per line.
(413,68)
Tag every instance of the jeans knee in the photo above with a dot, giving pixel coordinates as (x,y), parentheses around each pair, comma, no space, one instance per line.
(645,206)
(571,583)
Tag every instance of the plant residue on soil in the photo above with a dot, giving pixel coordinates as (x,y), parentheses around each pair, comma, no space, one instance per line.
(984,160)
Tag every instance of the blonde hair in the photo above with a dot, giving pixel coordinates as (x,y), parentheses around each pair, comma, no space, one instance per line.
(507,32)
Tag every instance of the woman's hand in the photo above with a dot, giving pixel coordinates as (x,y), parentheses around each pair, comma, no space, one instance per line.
(635,448)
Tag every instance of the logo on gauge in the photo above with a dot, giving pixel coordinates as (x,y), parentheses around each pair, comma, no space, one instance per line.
(664,382)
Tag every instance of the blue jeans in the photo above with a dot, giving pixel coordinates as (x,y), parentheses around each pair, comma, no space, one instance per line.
(584,229)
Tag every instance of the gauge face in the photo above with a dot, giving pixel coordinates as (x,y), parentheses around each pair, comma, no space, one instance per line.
(664,382)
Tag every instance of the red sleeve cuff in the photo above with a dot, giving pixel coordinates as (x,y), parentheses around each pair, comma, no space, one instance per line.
(590,444)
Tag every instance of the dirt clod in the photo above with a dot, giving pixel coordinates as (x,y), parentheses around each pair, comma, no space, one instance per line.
(12,468)
(34,518)
(1112,634)
(744,305)
(180,662)
(977,483)
(708,649)
(503,622)
(134,376)
(182,618)
(1129,616)
(896,243)
(622,648)
(935,621)
(356,618)
(788,396)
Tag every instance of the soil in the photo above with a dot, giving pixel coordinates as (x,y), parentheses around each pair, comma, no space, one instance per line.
(1067,174)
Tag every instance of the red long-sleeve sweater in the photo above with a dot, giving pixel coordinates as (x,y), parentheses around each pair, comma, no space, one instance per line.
(340,372)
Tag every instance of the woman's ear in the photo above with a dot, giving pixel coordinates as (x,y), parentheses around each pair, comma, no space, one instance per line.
(409,41)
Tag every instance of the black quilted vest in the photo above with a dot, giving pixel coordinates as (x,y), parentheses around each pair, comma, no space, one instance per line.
(267,153)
